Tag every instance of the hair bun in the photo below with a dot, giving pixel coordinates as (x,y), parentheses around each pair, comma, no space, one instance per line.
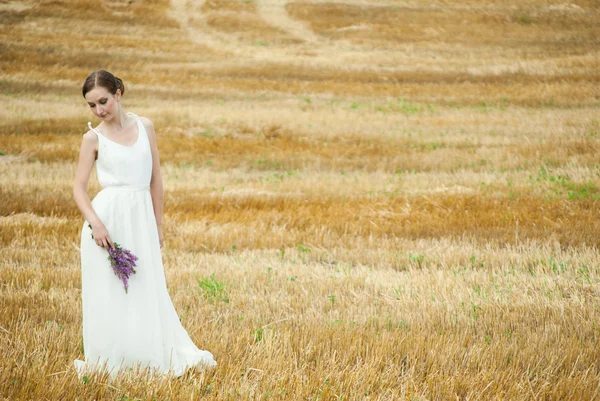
(121,85)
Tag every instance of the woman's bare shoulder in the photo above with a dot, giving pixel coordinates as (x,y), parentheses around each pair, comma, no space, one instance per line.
(147,122)
(90,137)
(90,140)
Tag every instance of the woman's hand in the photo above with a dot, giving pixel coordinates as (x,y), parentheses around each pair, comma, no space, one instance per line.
(100,235)
(160,235)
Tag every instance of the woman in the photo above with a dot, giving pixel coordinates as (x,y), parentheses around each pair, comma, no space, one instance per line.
(140,327)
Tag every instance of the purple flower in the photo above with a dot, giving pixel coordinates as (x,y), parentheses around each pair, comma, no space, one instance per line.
(122,262)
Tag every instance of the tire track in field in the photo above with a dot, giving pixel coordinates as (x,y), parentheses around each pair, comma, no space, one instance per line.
(188,13)
(274,13)
(314,50)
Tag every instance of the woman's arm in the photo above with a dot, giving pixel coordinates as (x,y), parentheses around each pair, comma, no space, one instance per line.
(156,185)
(87,155)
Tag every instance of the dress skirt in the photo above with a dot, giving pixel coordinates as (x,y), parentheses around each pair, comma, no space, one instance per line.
(139,328)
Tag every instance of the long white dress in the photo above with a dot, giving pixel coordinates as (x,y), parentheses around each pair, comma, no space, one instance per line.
(139,328)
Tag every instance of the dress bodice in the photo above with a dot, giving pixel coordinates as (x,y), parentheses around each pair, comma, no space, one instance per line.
(124,166)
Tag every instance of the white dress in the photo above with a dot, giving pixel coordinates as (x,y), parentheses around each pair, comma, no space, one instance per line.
(139,328)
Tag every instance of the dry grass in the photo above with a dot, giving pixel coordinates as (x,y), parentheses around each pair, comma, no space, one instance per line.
(400,199)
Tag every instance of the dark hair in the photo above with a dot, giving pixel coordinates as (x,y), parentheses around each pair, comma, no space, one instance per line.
(104,79)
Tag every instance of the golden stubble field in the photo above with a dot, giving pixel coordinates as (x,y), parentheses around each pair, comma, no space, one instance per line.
(364,200)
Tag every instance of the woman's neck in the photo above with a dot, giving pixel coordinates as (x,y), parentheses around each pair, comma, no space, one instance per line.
(118,123)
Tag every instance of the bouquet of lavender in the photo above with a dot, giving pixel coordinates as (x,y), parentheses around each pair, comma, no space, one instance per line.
(122,262)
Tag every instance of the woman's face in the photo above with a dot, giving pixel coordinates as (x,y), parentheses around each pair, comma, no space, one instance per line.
(102,103)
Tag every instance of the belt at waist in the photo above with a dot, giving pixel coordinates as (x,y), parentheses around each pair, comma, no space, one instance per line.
(126,188)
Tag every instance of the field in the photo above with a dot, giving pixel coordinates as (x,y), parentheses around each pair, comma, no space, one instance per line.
(364,199)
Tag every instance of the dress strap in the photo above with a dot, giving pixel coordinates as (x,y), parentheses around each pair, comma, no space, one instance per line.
(140,125)
(137,121)
(94,129)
